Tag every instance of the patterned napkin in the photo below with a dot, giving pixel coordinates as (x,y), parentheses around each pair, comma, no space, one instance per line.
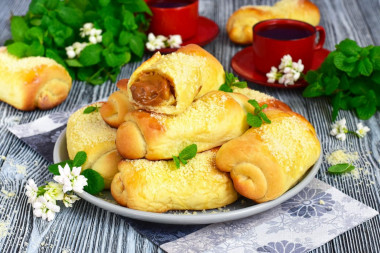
(313,217)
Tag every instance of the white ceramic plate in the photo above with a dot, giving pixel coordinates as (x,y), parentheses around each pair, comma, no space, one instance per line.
(240,209)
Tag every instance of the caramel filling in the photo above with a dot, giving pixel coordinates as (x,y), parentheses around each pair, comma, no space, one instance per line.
(151,89)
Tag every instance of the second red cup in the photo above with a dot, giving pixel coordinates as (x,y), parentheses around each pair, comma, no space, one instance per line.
(274,38)
(172,17)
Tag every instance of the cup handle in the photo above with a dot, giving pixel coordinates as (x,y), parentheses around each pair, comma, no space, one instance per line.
(322,37)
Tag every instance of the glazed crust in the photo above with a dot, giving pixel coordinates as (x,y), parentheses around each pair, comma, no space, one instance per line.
(89,133)
(265,162)
(191,71)
(32,82)
(240,23)
(158,186)
(209,122)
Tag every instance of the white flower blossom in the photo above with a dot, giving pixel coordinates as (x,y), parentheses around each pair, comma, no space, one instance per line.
(298,66)
(45,209)
(339,129)
(69,199)
(272,75)
(361,130)
(86,29)
(175,41)
(155,43)
(286,61)
(71,179)
(53,192)
(95,36)
(70,52)
(78,47)
(31,191)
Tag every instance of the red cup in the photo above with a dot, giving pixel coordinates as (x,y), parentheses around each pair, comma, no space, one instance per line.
(172,17)
(274,38)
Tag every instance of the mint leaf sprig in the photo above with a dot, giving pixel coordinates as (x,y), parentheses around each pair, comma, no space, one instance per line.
(257,118)
(90,109)
(231,81)
(350,76)
(185,155)
(341,168)
(51,26)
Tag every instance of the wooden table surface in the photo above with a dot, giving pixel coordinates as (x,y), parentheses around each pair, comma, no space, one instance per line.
(87,228)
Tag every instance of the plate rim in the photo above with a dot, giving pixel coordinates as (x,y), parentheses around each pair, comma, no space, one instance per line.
(182,219)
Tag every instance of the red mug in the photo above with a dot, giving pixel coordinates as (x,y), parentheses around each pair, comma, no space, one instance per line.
(274,38)
(171,17)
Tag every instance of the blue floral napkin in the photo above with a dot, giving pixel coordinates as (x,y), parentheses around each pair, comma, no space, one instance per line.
(313,217)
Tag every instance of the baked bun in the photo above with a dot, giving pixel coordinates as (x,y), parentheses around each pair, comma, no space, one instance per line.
(117,106)
(169,83)
(32,82)
(266,161)
(240,23)
(89,133)
(158,186)
(210,121)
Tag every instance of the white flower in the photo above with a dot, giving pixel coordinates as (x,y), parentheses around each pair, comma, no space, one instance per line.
(339,129)
(45,209)
(70,52)
(286,61)
(31,191)
(86,29)
(69,199)
(53,192)
(71,179)
(272,75)
(298,66)
(155,43)
(95,36)
(78,47)
(175,41)
(361,130)
(287,79)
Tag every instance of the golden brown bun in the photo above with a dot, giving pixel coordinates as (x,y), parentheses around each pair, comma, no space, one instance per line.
(209,122)
(114,110)
(240,23)
(32,82)
(89,133)
(266,161)
(158,186)
(191,72)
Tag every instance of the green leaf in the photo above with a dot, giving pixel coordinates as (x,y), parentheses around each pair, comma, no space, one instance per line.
(18,28)
(80,158)
(365,67)
(53,168)
(114,60)
(332,84)
(90,109)
(18,49)
(35,33)
(240,84)
(70,16)
(348,47)
(224,87)
(90,55)
(183,161)
(136,6)
(74,63)
(254,120)
(311,76)
(336,105)
(313,90)
(357,101)
(51,4)
(112,25)
(264,117)
(104,3)
(341,64)
(341,168)
(124,38)
(107,38)
(376,77)
(176,161)
(188,152)
(129,21)
(367,110)
(35,49)
(37,7)
(137,46)
(55,56)
(254,103)
(344,84)
(85,73)
(95,182)
(374,56)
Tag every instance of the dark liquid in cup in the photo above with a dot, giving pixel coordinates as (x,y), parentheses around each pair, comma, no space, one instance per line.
(284,32)
(170,4)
